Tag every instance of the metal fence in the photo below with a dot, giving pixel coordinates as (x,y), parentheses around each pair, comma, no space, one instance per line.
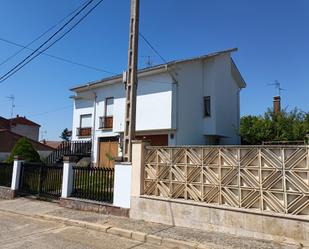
(70,148)
(41,180)
(6,171)
(93,183)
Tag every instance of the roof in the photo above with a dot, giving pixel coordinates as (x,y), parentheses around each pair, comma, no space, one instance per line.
(53,144)
(146,71)
(22,120)
(4,123)
(8,139)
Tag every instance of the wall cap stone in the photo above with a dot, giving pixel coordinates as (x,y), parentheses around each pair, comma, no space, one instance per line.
(18,158)
(69,159)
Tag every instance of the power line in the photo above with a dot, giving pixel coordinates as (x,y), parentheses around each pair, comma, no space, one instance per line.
(58,57)
(17,68)
(40,36)
(76,63)
(152,47)
(47,112)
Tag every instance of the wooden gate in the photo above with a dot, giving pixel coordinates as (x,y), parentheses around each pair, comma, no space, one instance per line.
(108,151)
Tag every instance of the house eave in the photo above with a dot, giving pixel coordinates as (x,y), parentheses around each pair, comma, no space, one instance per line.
(117,79)
(237,76)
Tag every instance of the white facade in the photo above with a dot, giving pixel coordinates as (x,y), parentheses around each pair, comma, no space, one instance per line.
(170,101)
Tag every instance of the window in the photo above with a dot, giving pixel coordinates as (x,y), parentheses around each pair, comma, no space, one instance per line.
(85,121)
(84,129)
(109,108)
(106,122)
(207,106)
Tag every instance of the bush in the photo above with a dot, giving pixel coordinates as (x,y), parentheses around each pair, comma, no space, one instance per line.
(24,149)
(284,126)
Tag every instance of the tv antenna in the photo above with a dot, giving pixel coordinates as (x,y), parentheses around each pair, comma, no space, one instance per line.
(277,85)
(12,99)
(43,134)
(149,60)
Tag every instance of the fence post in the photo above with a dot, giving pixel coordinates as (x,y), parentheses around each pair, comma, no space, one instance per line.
(129,177)
(67,179)
(138,167)
(16,172)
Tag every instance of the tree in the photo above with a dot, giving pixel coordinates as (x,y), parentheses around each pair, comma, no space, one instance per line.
(24,149)
(66,135)
(284,126)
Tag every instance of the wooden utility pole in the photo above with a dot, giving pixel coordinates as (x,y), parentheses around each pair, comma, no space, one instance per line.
(131,81)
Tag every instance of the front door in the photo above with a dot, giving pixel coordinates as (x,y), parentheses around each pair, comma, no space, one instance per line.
(108,151)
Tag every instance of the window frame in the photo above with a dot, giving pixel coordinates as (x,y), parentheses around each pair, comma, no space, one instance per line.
(105,111)
(80,120)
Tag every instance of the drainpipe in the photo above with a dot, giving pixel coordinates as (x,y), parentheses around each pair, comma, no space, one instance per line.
(93,125)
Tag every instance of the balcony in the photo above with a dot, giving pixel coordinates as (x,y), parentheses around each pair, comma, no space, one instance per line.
(84,132)
(106,122)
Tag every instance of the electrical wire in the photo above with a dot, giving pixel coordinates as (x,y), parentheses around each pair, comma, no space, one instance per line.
(51,111)
(59,58)
(40,36)
(20,66)
(153,48)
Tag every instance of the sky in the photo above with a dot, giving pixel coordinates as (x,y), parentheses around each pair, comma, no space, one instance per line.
(272,38)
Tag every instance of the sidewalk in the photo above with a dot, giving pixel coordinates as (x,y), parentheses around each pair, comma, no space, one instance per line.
(171,237)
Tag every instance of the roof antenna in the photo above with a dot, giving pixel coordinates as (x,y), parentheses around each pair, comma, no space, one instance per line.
(12,99)
(277,85)
(43,134)
(149,60)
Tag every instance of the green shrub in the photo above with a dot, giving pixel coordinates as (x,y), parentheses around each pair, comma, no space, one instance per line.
(24,149)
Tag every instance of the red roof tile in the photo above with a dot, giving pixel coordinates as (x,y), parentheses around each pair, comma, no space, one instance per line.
(22,120)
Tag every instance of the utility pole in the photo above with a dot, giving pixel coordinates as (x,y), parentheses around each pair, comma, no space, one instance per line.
(131,81)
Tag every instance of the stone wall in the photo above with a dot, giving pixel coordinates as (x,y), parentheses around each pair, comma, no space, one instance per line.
(93,206)
(7,193)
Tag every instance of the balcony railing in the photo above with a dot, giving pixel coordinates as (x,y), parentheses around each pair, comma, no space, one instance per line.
(84,132)
(106,122)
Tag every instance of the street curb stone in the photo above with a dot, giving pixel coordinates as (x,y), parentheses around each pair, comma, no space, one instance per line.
(139,236)
(153,239)
(120,232)
(179,244)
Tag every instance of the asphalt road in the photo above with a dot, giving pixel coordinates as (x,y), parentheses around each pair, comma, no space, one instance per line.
(17,231)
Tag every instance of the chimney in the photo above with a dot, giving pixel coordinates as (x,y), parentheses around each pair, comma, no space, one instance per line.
(277,104)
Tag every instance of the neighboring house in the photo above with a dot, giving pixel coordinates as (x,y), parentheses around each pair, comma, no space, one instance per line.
(187,102)
(53,144)
(8,139)
(21,126)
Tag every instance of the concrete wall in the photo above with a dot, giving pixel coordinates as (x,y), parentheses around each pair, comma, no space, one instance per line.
(211,77)
(285,228)
(28,131)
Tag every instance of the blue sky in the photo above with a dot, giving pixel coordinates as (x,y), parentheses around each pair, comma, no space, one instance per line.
(272,37)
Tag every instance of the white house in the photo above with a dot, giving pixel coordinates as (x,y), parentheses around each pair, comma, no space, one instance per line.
(186,102)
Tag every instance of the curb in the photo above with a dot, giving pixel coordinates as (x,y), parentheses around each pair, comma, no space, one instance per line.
(129,234)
